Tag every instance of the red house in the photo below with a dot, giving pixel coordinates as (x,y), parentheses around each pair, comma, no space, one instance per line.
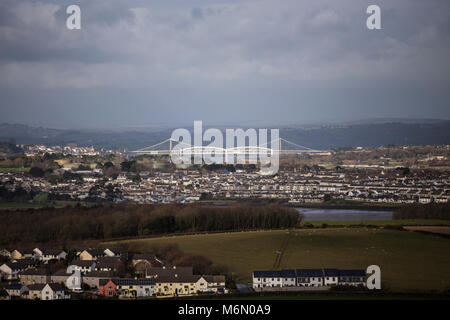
(107,288)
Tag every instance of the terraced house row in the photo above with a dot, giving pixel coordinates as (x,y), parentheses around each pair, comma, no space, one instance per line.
(175,285)
(293,278)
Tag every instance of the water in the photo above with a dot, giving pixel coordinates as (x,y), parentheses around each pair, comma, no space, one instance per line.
(315,214)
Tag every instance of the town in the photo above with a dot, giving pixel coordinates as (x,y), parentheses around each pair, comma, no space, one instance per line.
(393,175)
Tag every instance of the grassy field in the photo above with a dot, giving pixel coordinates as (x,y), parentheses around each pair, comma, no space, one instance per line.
(19,169)
(409,261)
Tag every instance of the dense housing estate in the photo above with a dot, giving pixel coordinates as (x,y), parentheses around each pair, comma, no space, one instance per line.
(103,274)
(376,185)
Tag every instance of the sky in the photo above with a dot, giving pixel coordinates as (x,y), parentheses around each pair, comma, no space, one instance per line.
(170,62)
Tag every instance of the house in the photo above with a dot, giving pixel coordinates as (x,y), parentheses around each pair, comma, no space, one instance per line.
(10,270)
(33,276)
(149,259)
(288,278)
(5,253)
(352,278)
(53,291)
(16,289)
(145,287)
(108,264)
(21,254)
(135,288)
(142,263)
(178,285)
(85,266)
(35,291)
(92,279)
(116,252)
(215,284)
(107,288)
(60,276)
(331,277)
(264,279)
(45,255)
(309,277)
(91,254)
(168,271)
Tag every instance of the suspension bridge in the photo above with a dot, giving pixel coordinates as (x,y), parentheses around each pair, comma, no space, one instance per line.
(171,147)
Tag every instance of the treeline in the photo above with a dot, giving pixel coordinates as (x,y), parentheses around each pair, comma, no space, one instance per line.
(105,222)
(423,211)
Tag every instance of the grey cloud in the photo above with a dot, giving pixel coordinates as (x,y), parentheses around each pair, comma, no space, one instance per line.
(241,54)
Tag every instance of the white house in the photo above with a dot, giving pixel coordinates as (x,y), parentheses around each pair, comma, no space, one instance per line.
(309,277)
(141,287)
(264,279)
(53,291)
(45,255)
(85,266)
(114,252)
(330,277)
(352,278)
(145,287)
(288,278)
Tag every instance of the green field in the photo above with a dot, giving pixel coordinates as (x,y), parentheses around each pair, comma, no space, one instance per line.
(409,261)
(19,169)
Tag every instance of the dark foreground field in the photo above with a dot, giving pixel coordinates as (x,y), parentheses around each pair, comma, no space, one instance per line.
(409,261)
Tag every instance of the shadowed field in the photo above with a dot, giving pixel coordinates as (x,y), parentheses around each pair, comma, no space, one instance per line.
(409,261)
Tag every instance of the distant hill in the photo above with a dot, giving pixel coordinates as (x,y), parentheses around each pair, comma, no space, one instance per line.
(326,136)
(23,134)
(370,135)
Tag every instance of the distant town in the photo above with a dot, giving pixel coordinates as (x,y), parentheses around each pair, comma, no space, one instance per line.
(388,175)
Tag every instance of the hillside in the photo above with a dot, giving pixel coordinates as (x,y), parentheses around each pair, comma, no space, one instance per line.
(409,261)
(365,134)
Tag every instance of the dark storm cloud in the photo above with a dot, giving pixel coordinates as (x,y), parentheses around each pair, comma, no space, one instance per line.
(286,60)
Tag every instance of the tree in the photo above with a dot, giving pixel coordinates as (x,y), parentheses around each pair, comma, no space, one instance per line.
(41,198)
(37,172)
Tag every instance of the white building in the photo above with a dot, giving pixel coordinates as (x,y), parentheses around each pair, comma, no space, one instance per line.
(45,255)
(352,278)
(267,279)
(330,277)
(309,277)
